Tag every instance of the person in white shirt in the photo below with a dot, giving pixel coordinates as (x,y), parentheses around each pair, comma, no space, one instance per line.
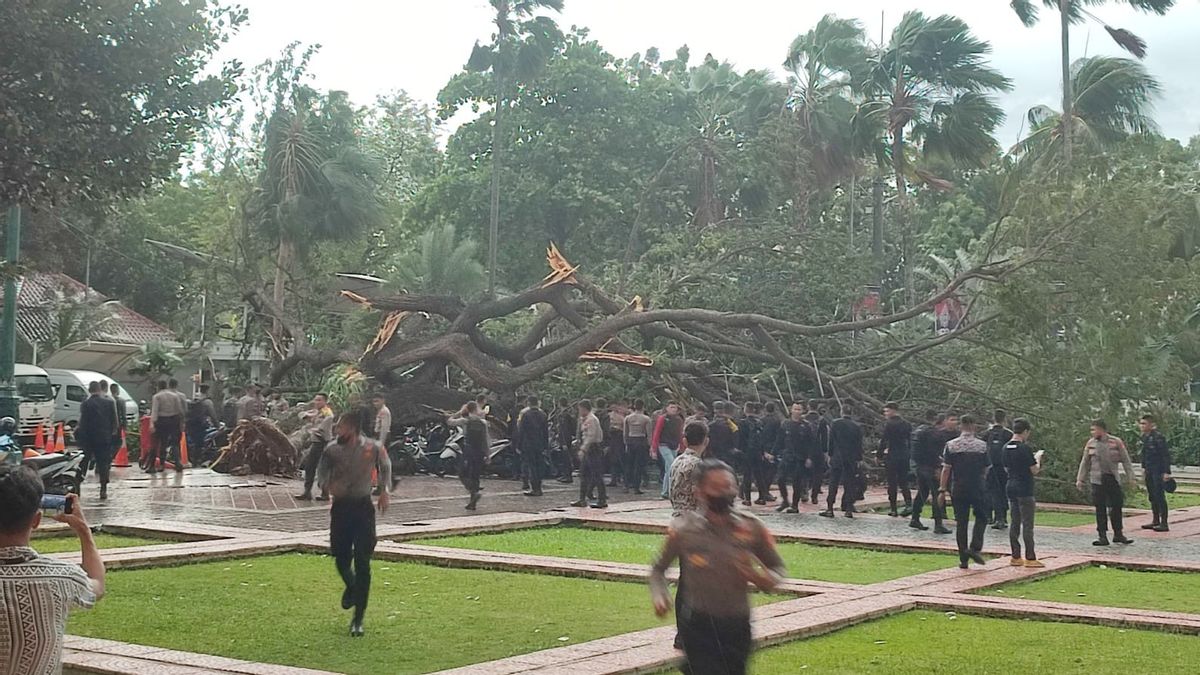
(36,593)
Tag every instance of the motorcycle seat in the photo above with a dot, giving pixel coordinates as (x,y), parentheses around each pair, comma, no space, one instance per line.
(42,461)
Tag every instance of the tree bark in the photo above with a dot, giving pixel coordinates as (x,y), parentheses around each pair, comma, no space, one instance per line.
(1068,103)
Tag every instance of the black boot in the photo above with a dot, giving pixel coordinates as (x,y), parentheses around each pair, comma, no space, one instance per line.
(1119,537)
(939,528)
(474,500)
(1102,540)
(917,525)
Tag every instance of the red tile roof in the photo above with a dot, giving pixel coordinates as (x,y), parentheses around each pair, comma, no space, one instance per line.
(36,293)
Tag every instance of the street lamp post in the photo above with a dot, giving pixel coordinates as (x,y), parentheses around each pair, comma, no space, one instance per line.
(9,401)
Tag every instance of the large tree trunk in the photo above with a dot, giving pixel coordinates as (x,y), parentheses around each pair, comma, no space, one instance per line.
(877,218)
(283,263)
(1068,104)
(902,213)
(494,215)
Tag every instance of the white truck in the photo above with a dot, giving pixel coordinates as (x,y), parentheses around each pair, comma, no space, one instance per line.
(37,400)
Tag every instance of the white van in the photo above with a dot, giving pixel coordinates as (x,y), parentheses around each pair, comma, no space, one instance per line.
(73,390)
(37,399)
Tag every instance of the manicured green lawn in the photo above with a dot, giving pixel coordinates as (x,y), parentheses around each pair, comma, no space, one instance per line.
(285,609)
(804,561)
(1179,500)
(68,542)
(969,644)
(1173,591)
(1045,518)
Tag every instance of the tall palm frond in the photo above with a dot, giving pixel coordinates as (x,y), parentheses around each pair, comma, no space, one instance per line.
(1113,99)
(442,264)
(1028,12)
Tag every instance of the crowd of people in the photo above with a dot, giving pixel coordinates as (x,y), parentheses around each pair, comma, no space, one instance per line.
(984,471)
(706,464)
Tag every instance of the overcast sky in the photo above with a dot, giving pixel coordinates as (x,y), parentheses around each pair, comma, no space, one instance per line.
(371,47)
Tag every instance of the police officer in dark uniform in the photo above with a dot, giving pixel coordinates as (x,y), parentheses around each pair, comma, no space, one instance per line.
(532,439)
(818,455)
(792,446)
(928,441)
(894,453)
(771,424)
(845,453)
(996,438)
(750,442)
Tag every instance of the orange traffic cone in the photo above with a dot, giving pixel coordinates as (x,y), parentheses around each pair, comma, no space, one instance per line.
(183,454)
(122,458)
(60,441)
(39,438)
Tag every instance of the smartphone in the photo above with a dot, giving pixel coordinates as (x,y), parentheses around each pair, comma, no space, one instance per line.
(55,505)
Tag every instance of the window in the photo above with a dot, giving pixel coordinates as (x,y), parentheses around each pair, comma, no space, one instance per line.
(76,393)
(34,387)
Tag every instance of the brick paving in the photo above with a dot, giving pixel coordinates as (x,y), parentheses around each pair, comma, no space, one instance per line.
(210,516)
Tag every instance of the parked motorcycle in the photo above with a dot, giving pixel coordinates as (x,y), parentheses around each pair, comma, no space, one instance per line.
(502,458)
(409,454)
(61,472)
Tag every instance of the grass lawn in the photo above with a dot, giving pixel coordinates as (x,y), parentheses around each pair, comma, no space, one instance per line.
(1043,518)
(804,561)
(284,609)
(68,542)
(1172,591)
(895,644)
(1179,500)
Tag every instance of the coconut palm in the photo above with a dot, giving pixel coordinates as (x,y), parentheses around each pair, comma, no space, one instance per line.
(1112,98)
(1074,11)
(520,47)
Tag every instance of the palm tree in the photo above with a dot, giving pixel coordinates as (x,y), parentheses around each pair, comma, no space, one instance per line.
(1073,11)
(825,65)
(932,79)
(519,49)
(315,184)
(725,107)
(1111,100)
(442,264)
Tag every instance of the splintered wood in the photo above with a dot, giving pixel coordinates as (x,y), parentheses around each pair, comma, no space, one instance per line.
(387,330)
(561,271)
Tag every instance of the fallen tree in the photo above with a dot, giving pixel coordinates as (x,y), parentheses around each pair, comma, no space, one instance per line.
(257,446)
(578,321)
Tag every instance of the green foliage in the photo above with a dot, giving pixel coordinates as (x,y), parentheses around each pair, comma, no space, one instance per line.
(101,98)
(75,317)
(1113,587)
(443,264)
(155,359)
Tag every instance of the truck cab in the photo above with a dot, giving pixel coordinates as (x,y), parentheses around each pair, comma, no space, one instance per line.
(37,400)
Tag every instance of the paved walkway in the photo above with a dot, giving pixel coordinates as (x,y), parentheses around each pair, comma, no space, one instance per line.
(217,516)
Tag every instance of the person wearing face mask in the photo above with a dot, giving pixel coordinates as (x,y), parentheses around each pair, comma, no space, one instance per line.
(719,551)
(345,472)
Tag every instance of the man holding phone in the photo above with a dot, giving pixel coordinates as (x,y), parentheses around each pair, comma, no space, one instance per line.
(53,587)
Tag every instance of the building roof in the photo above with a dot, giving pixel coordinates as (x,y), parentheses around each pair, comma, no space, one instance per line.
(37,293)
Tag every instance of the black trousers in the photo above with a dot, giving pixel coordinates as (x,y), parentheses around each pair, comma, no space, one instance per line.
(997,480)
(1158,496)
(814,476)
(470,471)
(897,479)
(311,461)
(591,474)
(791,473)
(841,476)
(531,466)
(100,454)
(166,432)
(714,645)
(1109,500)
(966,503)
(615,459)
(637,453)
(755,475)
(351,542)
(928,478)
(564,464)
